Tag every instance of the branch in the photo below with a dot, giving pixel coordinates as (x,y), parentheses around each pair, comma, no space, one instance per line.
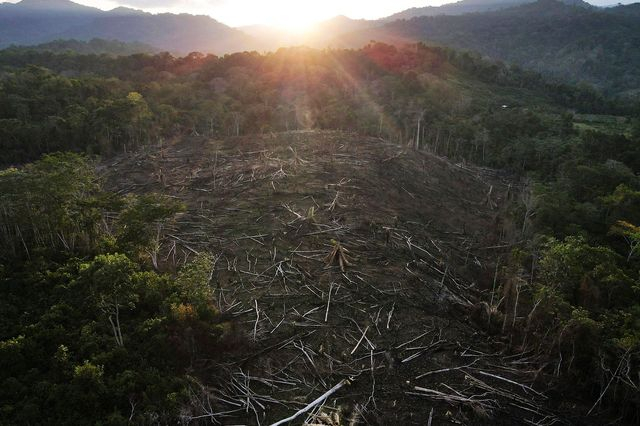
(315,403)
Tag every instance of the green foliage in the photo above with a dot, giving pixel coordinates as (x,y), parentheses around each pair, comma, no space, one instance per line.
(635,130)
(562,39)
(43,112)
(117,104)
(88,375)
(588,285)
(631,235)
(623,203)
(85,333)
(94,46)
(141,221)
(90,327)
(65,361)
(585,275)
(194,280)
(52,203)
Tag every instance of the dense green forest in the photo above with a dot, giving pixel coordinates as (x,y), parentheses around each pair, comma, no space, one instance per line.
(94,46)
(102,105)
(96,330)
(574,43)
(90,334)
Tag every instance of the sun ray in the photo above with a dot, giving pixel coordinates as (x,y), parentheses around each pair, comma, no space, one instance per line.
(387,124)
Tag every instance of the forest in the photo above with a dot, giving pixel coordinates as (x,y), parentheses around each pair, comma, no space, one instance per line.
(53,102)
(98,329)
(567,40)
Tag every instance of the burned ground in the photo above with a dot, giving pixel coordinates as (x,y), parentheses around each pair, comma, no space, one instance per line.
(343,260)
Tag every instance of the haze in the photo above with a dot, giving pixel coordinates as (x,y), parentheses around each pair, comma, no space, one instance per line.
(292,14)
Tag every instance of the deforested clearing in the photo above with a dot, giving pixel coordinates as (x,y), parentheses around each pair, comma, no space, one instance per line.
(345,260)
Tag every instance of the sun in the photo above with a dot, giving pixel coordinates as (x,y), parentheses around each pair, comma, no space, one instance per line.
(289,15)
(294,21)
(296,18)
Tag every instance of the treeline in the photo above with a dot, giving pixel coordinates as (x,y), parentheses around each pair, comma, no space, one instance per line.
(96,46)
(101,105)
(570,292)
(581,97)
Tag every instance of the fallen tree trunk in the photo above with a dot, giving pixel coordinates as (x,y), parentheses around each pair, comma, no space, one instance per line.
(315,403)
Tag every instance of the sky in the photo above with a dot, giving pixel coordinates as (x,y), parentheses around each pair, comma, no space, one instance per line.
(293,14)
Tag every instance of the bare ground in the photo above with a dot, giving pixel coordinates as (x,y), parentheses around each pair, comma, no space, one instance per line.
(344,260)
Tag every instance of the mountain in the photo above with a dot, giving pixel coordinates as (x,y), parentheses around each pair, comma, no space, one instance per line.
(625,10)
(37,21)
(177,33)
(598,46)
(467,6)
(340,25)
(324,34)
(457,8)
(320,34)
(570,40)
(31,22)
(50,6)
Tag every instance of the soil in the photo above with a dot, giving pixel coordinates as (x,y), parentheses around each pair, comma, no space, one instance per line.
(345,258)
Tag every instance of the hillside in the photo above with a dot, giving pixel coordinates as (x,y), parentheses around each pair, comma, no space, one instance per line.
(626,10)
(572,43)
(456,8)
(468,6)
(421,238)
(415,233)
(34,22)
(102,105)
(175,33)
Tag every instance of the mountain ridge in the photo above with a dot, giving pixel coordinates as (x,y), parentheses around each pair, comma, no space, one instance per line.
(468,6)
(572,43)
(570,39)
(33,22)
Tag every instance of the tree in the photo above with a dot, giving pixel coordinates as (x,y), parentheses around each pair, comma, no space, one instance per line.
(622,204)
(631,235)
(635,129)
(585,275)
(54,202)
(194,280)
(110,279)
(141,223)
